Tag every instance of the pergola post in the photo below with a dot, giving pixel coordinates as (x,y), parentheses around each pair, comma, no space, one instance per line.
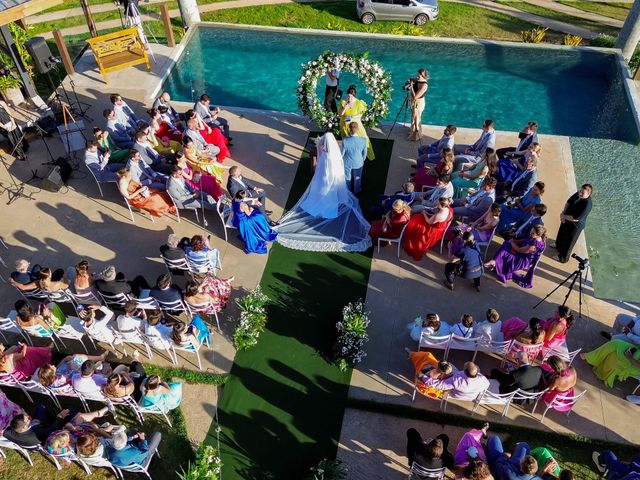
(630,34)
(89,17)
(166,19)
(64,53)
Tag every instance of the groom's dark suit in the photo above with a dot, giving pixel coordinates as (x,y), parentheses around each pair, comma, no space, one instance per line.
(235,184)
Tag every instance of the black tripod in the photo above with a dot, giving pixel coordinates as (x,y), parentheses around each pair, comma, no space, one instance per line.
(403,108)
(15,190)
(577,275)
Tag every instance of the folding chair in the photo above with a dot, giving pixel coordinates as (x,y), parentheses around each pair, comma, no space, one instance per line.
(35,294)
(152,410)
(522,397)
(486,244)
(115,301)
(568,357)
(393,240)
(172,307)
(144,468)
(225,213)
(191,348)
(68,456)
(135,337)
(561,403)
(207,308)
(532,351)
(489,398)
(126,201)
(430,341)
(97,182)
(9,325)
(34,387)
(8,444)
(87,298)
(462,343)
(443,235)
(181,264)
(194,209)
(206,264)
(497,347)
(418,472)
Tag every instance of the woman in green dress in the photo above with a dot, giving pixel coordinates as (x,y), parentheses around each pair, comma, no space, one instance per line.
(156,393)
(351,110)
(473,175)
(615,360)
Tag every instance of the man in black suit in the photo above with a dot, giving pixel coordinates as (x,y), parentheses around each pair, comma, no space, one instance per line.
(165,291)
(114,284)
(237,182)
(174,248)
(526,376)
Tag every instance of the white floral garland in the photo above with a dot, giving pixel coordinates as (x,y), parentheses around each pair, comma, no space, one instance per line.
(375,78)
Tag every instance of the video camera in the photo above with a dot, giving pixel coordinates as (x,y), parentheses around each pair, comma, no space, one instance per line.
(582,262)
(408,84)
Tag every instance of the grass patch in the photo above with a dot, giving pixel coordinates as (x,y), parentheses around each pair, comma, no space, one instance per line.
(455,20)
(67,4)
(572,451)
(282,408)
(189,376)
(619,11)
(561,17)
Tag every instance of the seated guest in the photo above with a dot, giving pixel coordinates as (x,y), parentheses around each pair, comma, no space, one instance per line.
(149,155)
(556,328)
(464,328)
(28,434)
(61,443)
(476,470)
(521,229)
(87,381)
(433,151)
(192,335)
(96,322)
(431,198)
(521,208)
(392,223)
(22,361)
(199,251)
(625,328)
(519,466)
(143,174)
(467,263)
(131,321)
(165,291)
(202,146)
(473,153)
(548,467)
(470,447)
(525,377)
(426,367)
(254,229)
(58,378)
(212,136)
(516,255)
(201,162)
(209,184)
(210,115)
(84,278)
(39,323)
(426,230)
(126,450)
(516,177)
(105,145)
(407,194)
(158,333)
(427,175)
(186,196)
(490,329)
(530,333)
(123,112)
(156,393)
(113,283)
(476,205)
(430,325)
(150,199)
(8,410)
(463,385)
(164,100)
(160,128)
(237,182)
(470,177)
(98,163)
(173,249)
(427,455)
(615,360)
(198,294)
(92,449)
(559,380)
(608,465)
(121,134)
(46,283)
(527,136)
(125,382)
(481,229)
(22,276)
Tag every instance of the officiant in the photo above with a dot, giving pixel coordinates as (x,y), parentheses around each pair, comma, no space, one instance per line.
(354,153)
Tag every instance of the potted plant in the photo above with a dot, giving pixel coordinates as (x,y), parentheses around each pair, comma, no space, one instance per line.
(10,90)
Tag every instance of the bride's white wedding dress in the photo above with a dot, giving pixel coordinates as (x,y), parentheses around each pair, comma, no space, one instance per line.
(327,218)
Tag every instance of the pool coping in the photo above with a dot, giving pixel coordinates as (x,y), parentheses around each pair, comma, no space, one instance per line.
(633,96)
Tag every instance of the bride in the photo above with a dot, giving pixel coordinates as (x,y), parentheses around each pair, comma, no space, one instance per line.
(327,218)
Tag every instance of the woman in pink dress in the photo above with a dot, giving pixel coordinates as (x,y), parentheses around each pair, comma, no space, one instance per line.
(481,229)
(560,380)
(391,225)
(200,181)
(22,361)
(424,230)
(8,410)
(556,328)
(428,175)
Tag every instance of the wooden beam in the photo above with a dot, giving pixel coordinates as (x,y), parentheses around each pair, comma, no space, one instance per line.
(166,19)
(26,9)
(64,53)
(89,18)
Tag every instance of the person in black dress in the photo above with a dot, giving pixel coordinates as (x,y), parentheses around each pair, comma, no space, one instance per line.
(574,219)
(427,455)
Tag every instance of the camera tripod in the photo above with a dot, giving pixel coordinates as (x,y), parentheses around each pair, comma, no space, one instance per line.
(403,108)
(576,275)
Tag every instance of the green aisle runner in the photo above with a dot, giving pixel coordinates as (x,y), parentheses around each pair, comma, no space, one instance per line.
(281,410)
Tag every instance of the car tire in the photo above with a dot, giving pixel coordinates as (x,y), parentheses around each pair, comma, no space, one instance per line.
(368,18)
(421,19)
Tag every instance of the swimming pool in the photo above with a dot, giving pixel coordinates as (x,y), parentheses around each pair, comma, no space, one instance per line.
(574,92)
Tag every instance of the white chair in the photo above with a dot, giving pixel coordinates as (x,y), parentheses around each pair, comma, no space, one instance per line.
(8,325)
(72,329)
(445,234)
(68,456)
(87,298)
(486,244)
(181,264)
(144,468)
(489,398)
(104,335)
(191,348)
(172,307)
(135,337)
(462,343)
(34,387)
(8,444)
(207,308)
(114,301)
(523,397)
(97,182)
(564,354)
(532,351)
(38,331)
(104,463)
(223,207)
(561,403)
(126,201)
(34,294)
(500,348)
(434,342)
(418,472)
(393,240)
(152,410)
(194,209)
(61,296)
(206,264)
(147,303)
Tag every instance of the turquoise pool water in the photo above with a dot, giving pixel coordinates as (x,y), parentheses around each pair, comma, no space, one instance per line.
(569,92)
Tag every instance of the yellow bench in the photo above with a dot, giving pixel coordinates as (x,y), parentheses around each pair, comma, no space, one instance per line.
(118,50)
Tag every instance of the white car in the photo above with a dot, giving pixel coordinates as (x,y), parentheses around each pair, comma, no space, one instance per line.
(417,11)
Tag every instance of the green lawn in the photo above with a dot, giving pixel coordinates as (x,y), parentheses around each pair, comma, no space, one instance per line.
(456,20)
(615,10)
(67,4)
(561,17)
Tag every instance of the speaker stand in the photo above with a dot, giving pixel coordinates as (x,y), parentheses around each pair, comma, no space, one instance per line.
(15,190)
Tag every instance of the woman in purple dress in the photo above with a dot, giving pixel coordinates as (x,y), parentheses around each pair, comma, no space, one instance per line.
(516,255)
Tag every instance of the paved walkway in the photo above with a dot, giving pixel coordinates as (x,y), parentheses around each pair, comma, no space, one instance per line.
(559,7)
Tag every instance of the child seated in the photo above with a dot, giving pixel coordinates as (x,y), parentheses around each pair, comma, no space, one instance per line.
(464,328)
(429,326)
(490,328)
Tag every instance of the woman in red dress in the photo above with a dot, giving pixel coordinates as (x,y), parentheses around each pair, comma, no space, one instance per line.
(161,129)
(427,176)
(391,225)
(211,135)
(424,230)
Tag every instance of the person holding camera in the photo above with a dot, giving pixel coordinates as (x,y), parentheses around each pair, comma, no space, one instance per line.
(418,89)
(467,263)
(574,219)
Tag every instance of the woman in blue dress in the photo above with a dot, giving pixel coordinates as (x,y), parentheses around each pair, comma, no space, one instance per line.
(163,395)
(253,226)
(522,207)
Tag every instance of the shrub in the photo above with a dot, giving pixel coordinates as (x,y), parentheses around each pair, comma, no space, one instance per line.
(603,40)
(572,40)
(328,470)
(535,35)
(207,465)
(352,335)
(253,318)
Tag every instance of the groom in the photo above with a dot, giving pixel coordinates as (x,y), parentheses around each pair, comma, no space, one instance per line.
(354,153)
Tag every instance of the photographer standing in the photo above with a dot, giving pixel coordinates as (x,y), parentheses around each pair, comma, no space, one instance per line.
(418,91)
(573,220)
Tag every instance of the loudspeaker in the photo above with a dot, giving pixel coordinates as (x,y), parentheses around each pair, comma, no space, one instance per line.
(53,181)
(42,56)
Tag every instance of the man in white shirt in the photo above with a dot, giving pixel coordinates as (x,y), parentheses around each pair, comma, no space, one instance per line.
(210,115)
(99,164)
(430,199)
(331,89)
(87,381)
(463,385)
(130,323)
(124,113)
(121,134)
(626,328)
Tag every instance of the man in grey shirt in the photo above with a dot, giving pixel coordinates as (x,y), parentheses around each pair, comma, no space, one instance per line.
(144,174)
(99,164)
(209,115)
(186,196)
(474,206)
(429,199)
(201,144)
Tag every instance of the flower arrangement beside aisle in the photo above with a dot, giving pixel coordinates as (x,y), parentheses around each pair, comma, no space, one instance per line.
(328,470)
(376,79)
(207,465)
(352,335)
(253,318)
